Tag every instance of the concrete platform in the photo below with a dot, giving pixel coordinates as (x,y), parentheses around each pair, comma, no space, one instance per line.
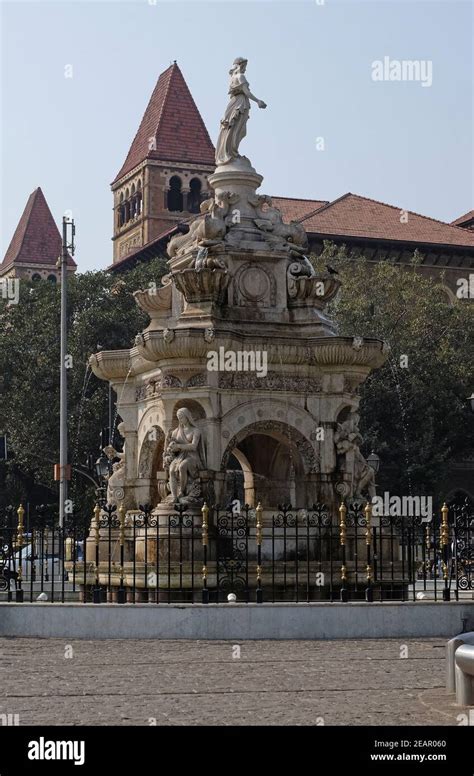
(358,620)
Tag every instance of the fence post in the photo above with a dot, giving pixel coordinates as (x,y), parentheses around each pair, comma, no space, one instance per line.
(121,591)
(344,595)
(205,540)
(19,544)
(369,593)
(259,537)
(96,597)
(444,541)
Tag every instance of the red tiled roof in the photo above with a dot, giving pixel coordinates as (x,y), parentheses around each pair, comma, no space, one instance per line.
(173,119)
(469,216)
(293,209)
(36,239)
(354,216)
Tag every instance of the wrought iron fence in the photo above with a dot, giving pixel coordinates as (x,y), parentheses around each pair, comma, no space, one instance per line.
(218,554)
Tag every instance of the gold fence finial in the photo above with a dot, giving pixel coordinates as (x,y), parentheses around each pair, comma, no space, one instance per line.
(205,525)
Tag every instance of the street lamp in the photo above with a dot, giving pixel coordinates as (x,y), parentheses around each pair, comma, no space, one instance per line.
(374,461)
(102,466)
(471,401)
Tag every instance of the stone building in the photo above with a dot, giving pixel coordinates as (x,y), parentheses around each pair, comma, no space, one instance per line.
(36,244)
(164,177)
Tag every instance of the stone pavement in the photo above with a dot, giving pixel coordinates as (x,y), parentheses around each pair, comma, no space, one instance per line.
(143,682)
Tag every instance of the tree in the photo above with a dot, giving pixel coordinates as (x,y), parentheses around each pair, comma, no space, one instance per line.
(413,410)
(102,314)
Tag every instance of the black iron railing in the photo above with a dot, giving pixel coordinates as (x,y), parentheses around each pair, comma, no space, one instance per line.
(215,554)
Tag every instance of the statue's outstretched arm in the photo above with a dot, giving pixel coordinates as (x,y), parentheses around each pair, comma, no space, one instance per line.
(260,103)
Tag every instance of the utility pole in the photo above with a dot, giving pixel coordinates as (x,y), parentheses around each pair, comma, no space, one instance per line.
(64,470)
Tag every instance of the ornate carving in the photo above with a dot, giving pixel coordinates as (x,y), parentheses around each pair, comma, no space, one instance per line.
(170,381)
(116,479)
(197,380)
(203,285)
(153,387)
(168,335)
(279,235)
(209,334)
(256,284)
(154,438)
(207,231)
(305,287)
(347,439)
(132,242)
(154,300)
(273,381)
(140,393)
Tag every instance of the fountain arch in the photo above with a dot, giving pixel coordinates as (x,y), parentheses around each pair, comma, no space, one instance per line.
(277,461)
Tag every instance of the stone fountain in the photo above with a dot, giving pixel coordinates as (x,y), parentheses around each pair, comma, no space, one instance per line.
(199,419)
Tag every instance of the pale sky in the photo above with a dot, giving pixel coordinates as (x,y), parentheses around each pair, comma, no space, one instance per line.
(398,142)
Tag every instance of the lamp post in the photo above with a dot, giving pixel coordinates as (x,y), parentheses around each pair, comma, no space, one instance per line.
(374,461)
(103,467)
(63,430)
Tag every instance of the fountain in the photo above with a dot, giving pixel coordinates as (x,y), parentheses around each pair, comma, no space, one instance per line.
(240,291)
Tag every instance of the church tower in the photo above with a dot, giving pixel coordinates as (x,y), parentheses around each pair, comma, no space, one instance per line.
(36,244)
(164,177)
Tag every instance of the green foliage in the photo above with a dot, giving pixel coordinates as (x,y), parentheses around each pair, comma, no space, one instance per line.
(102,314)
(416,417)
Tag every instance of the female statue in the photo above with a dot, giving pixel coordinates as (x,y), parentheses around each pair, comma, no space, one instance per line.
(234,124)
(182,456)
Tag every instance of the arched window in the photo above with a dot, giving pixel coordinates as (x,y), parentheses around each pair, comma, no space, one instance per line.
(36,277)
(175,196)
(194,196)
(120,212)
(52,278)
(139,198)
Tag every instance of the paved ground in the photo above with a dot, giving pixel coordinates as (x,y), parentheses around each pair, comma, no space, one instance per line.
(182,682)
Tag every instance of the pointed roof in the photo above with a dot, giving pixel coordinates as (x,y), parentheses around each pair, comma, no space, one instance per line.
(354,216)
(464,220)
(36,239)
(173,120)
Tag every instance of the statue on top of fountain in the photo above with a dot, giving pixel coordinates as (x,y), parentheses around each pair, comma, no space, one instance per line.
(234,124)
(235,215)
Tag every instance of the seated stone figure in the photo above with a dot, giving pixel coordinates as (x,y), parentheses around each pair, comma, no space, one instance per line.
(183,458)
